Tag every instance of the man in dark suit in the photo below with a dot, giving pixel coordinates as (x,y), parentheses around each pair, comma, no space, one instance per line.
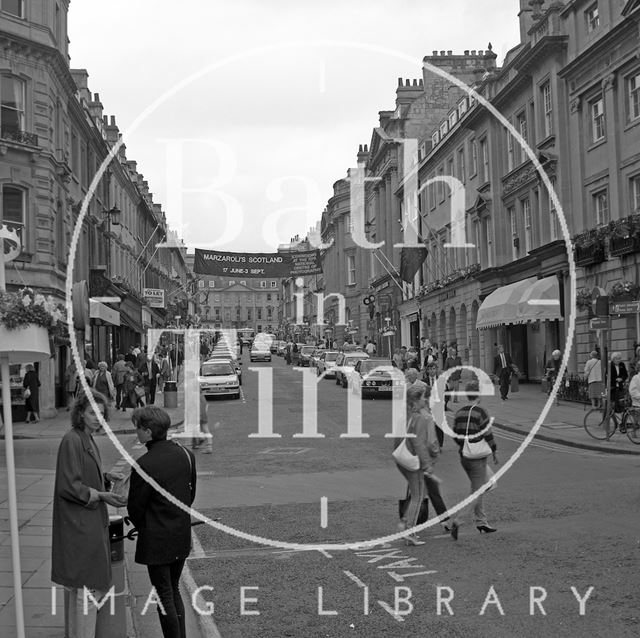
(502,363)
(149,371)
(619,376)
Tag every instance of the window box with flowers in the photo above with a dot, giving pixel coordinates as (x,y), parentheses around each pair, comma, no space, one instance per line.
(28,323)
(624,236)
(624,291)
(589,248)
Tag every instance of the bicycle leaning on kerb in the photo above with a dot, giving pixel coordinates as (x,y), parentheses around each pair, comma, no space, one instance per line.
(602,423)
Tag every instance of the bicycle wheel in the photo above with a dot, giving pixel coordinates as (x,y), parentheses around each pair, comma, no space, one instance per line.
(631,421)
(597,423)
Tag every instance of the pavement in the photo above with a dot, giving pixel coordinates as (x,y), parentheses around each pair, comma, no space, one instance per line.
(562,425)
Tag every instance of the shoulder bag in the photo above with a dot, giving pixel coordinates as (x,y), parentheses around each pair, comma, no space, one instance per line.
(476,450)
(405,458)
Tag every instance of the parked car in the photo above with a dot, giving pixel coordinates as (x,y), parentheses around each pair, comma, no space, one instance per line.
(376,377)
(327,363)
(227,356)
(305,355)
(345,364)
(281,348)
(219,378)
(260,350)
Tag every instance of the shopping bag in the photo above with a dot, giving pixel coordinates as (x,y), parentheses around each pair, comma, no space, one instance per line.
(515,384)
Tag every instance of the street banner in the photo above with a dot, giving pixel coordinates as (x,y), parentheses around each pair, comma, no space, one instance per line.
(259,265)
(154,297)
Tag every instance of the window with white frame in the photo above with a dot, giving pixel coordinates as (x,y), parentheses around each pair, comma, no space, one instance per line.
(484,154)
(432,192)
(351,270)
(523,129)
(435,138)
(489,236)
(601,207)
(12,104)
(554,225)
(263,284)
(212,283)
(444,128)
(259,314)
(473,152)
(635,194)
(597,120)
(463,106)
(547,108)
(14,7)
(592,17)
(509,150)
(453,119)
(201,283)
(269,297)
(513,223)
(633,84)
(13,205)
(274,284)
(528,231)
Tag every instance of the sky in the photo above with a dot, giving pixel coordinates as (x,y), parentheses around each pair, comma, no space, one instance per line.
(241,115)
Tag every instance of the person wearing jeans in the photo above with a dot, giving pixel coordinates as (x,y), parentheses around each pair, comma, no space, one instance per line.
(472,423)
(164,529)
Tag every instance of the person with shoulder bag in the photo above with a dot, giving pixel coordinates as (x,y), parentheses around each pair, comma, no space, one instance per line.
(103,382)
(164,529)
(472,427)
(411,454)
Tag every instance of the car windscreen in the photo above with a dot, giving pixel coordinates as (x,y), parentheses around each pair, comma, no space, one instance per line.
(308,349)
(216,369)
(368,365)
(351,361)
(331,356)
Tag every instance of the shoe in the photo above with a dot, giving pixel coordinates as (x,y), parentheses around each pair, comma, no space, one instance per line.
(455,528)
(486,529)
(413,540)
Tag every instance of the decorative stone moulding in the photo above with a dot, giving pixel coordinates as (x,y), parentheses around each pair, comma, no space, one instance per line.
(25,345)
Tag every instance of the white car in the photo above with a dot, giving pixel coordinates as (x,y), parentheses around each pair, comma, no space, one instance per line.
(261,348)
(327,363)
(226,356)
(219,378)
(345,364)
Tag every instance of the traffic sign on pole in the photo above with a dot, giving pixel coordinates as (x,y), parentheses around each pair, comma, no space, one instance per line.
(599,323)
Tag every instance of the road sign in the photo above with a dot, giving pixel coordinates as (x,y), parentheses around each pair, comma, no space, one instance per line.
(625,307)
(599,323)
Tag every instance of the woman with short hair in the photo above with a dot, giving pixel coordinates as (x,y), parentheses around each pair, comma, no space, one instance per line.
(31,385)
(164,529)
(80,551)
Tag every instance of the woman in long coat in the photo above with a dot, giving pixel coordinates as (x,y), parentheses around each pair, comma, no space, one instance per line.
(80,552)
(32,401)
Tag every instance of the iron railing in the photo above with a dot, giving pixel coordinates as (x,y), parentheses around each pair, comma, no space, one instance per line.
(574,388)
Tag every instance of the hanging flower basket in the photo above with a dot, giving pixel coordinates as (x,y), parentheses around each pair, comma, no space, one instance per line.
(28,323)
(584,299)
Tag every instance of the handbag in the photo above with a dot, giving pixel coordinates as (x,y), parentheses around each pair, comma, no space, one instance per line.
(140,392)
(423,514)
(405,458)
(27,393)
(476,450)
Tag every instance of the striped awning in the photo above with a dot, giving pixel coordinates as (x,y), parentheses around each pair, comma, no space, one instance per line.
(524,301)
(501,306)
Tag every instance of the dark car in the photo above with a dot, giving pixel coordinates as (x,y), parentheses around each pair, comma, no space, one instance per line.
(377,377)
(305,355)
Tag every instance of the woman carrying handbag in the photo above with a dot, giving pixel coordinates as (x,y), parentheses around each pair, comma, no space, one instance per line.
(412,458)
(472,427)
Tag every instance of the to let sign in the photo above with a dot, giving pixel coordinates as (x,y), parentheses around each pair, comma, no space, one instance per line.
(154,297)
(625,307)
